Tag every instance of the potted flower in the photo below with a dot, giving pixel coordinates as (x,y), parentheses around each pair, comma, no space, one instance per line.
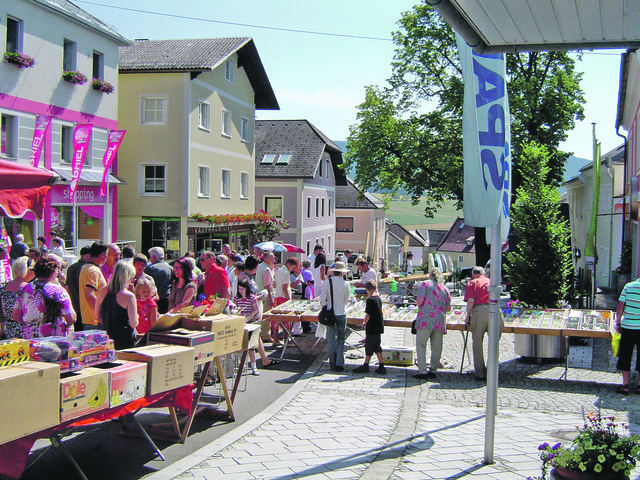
(19,59)
(602,450)
(75,77)
(102,85)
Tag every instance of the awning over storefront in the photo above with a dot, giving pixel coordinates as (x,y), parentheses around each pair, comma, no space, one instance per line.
(24,188)
(87,177)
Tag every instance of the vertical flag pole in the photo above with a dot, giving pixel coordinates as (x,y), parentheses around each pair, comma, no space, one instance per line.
(491,408)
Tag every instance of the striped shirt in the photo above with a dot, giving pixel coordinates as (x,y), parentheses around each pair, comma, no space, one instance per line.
(631,297)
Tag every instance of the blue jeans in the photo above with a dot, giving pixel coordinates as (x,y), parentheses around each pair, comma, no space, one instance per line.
(335,341)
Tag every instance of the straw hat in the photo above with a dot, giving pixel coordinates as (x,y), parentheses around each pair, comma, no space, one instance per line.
(339,267)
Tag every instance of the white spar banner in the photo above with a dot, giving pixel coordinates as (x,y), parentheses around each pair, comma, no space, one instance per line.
(486,133)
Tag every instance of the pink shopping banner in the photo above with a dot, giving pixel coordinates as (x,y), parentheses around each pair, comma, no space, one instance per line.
(113,144)
(42,123)
(81,137)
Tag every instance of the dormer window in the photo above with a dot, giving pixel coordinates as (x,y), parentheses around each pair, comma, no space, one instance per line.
(278,159)
(268,158)
(283,159)
(470,241)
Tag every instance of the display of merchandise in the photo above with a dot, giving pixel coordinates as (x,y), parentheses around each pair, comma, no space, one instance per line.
(13,351)
(94,347)
(58,350)
(510,315)
(457,315)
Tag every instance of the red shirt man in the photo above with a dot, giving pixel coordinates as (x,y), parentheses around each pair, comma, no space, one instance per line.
(216,280)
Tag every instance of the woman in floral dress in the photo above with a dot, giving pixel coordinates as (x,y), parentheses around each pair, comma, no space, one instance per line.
(22,274)
(434,301)
(43,307)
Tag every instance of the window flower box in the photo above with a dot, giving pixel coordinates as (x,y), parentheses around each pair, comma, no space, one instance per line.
(19,59)
(75,77)
(102,86)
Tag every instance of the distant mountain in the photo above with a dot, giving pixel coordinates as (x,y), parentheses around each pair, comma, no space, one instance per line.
(573,166)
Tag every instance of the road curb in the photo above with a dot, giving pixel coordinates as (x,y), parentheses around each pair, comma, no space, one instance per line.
(193,459)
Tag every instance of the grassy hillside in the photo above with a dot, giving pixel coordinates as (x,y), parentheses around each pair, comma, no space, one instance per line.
(403,213)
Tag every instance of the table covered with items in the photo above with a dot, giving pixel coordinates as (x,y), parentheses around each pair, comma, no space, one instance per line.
(563,323)
(50,385)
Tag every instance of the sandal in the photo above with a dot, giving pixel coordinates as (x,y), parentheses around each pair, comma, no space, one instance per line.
(271,363)
(623,389)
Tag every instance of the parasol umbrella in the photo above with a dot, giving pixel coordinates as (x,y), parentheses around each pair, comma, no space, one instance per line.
(271,246)
(292,248)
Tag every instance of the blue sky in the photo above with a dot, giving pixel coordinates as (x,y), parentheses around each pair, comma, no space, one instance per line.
(322,77)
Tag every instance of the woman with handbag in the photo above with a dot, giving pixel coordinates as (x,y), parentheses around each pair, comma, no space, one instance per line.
(335,296)
(433,300)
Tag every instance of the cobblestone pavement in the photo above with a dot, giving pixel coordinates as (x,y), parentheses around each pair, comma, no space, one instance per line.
(369,426)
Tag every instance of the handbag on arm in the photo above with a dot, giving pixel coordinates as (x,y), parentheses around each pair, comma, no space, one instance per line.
(327,316)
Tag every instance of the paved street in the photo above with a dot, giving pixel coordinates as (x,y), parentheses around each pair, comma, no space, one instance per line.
(367,426)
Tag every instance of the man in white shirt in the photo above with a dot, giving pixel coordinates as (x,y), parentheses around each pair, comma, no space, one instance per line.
(366,273)
(316,249)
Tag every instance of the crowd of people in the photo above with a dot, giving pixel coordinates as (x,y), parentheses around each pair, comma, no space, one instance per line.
(125,293)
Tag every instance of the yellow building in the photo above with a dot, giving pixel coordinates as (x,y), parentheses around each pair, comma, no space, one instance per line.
(189,110)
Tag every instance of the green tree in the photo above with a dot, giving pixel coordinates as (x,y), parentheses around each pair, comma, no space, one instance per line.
(540,270)
(408,135)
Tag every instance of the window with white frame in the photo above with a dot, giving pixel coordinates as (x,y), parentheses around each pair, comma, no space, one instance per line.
(226,123)
(273,206)
(69,55)
(225,183)
(154,111)
(327,169)
(245,134)
(283,159)
(322,209)
(308,207)
(308,248)
(66,144)
(153,179)
(244,185)
(320,169)
(9,135)
(98,65)
(14,35)
(203,182)
(317,207)
(460,259)
(268,158)
(204,116)
(229,67)
(329,209)
(329,243)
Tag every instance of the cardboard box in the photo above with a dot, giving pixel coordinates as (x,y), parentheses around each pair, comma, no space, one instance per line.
(228,331)
(13,351)
(399,355)
(83,393)
(127,381)
(168,366)
(251,335)
(30,399)
(202,342)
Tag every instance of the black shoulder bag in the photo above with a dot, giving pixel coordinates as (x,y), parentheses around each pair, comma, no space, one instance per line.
(327,315)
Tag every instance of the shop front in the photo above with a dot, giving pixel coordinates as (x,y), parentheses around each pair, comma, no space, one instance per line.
(212,237)
(83,220)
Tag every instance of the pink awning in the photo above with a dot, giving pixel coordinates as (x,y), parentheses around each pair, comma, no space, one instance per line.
(23,189)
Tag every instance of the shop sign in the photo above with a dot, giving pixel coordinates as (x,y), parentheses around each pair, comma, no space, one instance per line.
(83,195)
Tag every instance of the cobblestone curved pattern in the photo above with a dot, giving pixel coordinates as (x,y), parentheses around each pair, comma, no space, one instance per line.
(370,427)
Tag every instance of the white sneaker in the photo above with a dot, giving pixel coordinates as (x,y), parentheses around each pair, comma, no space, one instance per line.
(254,371)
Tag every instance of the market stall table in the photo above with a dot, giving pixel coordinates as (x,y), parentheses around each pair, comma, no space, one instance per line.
(14,454)
(563,323)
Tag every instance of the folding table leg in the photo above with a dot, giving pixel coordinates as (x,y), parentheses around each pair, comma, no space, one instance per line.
(56,443)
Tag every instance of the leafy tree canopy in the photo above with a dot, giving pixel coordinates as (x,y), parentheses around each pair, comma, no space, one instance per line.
(408,134)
